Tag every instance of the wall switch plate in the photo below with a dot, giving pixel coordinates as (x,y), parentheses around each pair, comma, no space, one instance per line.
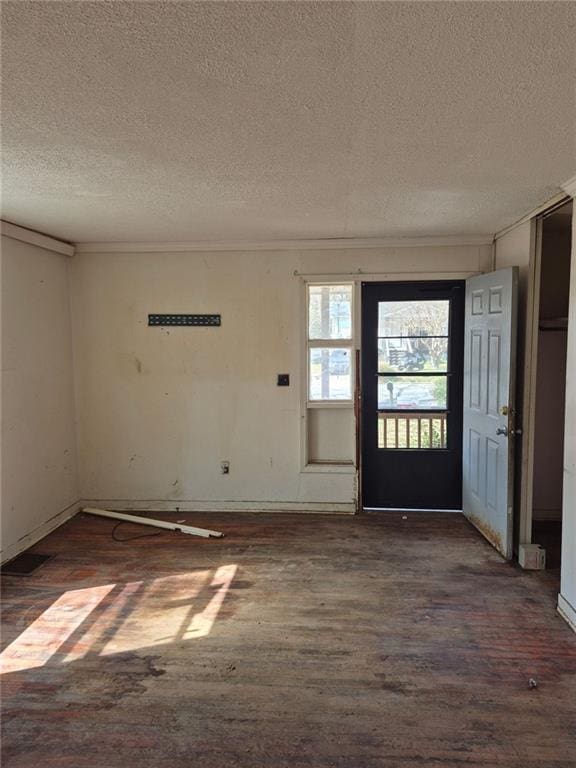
(225,467)
(283,380)
(532,557)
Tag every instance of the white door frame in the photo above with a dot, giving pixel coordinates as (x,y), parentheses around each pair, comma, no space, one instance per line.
(528,405)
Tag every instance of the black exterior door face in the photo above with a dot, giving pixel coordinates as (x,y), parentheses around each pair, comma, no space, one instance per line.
(412,370)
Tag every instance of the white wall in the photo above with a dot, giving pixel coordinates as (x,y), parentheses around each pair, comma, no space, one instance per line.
(160,409)
(513,250)
(39,472)
(567,599)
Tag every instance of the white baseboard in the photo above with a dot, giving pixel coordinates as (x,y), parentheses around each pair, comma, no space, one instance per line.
(10,552)
(567,611)
(152,505)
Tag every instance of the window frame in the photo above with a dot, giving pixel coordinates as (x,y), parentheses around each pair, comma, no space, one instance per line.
(349,344)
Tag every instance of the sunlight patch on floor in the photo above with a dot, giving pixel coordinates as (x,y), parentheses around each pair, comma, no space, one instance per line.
(42,639)
(118,618)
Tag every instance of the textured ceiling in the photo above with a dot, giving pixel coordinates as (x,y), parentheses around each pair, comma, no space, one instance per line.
(195,121)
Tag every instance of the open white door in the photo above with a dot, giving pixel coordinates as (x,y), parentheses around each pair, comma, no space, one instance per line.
(489,383)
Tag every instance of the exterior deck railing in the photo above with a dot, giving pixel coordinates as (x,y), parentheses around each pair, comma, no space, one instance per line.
(412,430)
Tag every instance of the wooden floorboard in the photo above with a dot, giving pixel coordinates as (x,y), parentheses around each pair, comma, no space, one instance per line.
(294,642)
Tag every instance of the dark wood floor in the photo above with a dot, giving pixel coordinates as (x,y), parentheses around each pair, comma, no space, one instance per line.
(294,642)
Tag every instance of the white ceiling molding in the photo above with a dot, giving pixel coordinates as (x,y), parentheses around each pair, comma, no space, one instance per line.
(570,186)
(36,238)
(327,244)
(551,203)
(358,274)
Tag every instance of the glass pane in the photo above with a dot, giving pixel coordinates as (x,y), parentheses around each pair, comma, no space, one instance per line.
(419,430)
(413,318)
(416,353)
(330,374)
(415,392)
(330,312)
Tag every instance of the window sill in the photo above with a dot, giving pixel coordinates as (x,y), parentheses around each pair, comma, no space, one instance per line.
(329,467)
(329,404)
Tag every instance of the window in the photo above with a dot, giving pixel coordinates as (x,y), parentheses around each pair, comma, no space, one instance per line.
(330,343)
(413,373)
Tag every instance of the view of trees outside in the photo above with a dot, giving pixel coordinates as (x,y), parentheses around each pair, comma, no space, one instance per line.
(330,319)
(413,339)
(330,312)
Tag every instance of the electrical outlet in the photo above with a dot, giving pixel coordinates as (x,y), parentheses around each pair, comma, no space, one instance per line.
(225,467)
(283,380)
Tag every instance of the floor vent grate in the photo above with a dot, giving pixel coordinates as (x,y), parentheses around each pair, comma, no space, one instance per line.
(24,565)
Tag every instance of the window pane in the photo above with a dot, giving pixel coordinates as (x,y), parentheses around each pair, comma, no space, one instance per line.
(330,312)
(330,374)
(416,392)
(416,353)
(413,318)
(419,430)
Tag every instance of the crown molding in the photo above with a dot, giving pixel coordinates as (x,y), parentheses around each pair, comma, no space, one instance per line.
(35,238)
(553,202)
(570,186)
(326,244)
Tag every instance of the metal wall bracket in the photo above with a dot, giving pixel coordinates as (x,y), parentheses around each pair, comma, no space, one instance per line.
(191,320)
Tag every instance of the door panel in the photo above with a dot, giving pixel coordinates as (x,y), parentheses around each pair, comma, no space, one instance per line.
(489,382)
(412,357)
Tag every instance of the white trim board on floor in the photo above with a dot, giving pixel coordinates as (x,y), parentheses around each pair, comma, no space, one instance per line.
(29,539)
(165,524)
(183,505)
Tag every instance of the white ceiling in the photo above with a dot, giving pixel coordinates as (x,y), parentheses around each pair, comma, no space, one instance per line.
(159,121)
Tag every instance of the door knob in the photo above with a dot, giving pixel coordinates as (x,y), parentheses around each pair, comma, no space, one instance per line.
(502,431)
